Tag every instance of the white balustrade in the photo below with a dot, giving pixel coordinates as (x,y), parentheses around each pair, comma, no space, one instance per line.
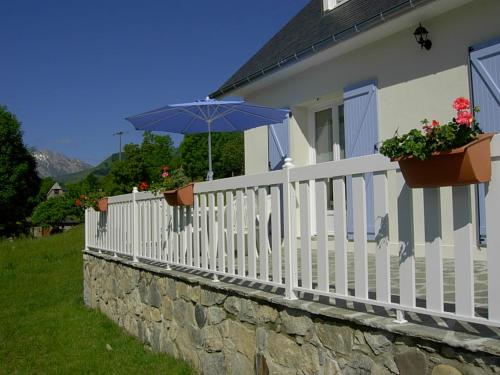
(260,228)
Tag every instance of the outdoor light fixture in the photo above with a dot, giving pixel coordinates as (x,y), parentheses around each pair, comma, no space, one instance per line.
(422,37)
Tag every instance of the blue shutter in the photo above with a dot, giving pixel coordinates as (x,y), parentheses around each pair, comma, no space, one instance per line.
(361,130)
(485,70)
(278,144)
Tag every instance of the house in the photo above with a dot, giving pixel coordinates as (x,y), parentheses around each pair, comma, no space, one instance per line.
(353,74)
(55,191)
(259,248)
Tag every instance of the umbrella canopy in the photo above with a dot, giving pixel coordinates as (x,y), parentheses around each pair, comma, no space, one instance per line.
(206,116)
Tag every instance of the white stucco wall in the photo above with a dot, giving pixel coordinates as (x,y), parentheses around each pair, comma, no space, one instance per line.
(413,84)
(256,153)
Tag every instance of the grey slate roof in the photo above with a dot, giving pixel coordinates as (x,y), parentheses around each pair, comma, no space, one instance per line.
(311,27)
(56,186)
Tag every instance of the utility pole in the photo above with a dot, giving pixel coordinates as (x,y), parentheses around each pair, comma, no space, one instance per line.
(119,134)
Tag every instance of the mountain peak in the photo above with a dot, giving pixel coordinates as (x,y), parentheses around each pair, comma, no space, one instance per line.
(53,164)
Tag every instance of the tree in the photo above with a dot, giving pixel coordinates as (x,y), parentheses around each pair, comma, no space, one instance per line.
(227,155)
(53,211)
(140,163)
(45,184)
(19,182)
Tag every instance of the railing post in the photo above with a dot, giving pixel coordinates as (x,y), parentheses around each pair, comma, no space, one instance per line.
(288,231)
(87,224)
(135,225)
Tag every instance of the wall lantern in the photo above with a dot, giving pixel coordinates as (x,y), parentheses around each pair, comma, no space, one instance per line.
(422,37)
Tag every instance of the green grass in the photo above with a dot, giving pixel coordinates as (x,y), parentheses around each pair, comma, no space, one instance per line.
(44,326)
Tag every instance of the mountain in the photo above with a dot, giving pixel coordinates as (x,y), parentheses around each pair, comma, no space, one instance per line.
(100,170)
(53,164)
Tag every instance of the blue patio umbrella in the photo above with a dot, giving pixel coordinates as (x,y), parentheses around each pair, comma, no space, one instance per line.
(206,116)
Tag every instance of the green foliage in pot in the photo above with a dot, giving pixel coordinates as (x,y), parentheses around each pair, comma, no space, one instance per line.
(434,137)
(170,180)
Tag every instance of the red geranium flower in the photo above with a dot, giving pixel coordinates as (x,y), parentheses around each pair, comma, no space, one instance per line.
(78,202)
(461,104)
(464,118)
(143,186)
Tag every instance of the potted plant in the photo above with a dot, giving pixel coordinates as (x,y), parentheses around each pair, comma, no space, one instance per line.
(96,200)
(175,187)
(452,154)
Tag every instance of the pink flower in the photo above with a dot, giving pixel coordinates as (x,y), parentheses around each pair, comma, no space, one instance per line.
(435,123)
(164,174)
(461,104)
(464,118)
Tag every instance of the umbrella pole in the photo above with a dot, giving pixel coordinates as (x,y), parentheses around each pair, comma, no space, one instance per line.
(210,174)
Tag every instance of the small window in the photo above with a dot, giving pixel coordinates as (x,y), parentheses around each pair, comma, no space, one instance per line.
(330,4)
(324,136)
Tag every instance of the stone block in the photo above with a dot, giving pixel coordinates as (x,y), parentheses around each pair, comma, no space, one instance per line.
(183,290)
(154,294)
(167,308)
(216,315)
(261,367)
(213,363)
(238,364)
(378,342)
(445,370)
(209,298)
(283,350)
(195,293)
(295,323)
(261,337)
(242,338)
(359,364)
(267,314)
(155,314)
(183,312)
(337,338)
(233,305)
(309,360)
(212,339)
(200,315)
(411,362)
(190,337)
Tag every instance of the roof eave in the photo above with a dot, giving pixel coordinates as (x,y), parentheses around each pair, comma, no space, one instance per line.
(406,8)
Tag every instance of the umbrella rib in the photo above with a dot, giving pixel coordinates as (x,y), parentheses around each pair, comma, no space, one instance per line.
(223,114)
(194,114)
(204,117)
(230,123)
(163,109)
(188,125)
(149,124)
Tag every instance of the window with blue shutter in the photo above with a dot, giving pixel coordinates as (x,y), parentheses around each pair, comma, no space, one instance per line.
(485,71)
(278,136)
(361,132)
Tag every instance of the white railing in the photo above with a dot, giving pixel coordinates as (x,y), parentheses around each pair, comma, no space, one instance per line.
(272,228)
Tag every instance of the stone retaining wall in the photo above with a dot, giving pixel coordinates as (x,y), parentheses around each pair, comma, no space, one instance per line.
(220,328)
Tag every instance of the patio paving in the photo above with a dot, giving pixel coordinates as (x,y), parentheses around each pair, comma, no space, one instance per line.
(480,278)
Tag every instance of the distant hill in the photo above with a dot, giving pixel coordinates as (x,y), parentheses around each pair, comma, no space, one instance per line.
(54,164)
(100,170)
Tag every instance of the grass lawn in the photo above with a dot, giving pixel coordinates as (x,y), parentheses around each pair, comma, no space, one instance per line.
(44,326)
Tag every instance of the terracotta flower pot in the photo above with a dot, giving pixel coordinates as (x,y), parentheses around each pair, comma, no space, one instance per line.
(102,205)
(182,196)
(469,164)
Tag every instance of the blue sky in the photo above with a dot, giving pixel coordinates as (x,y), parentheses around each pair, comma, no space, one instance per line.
(71,71)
